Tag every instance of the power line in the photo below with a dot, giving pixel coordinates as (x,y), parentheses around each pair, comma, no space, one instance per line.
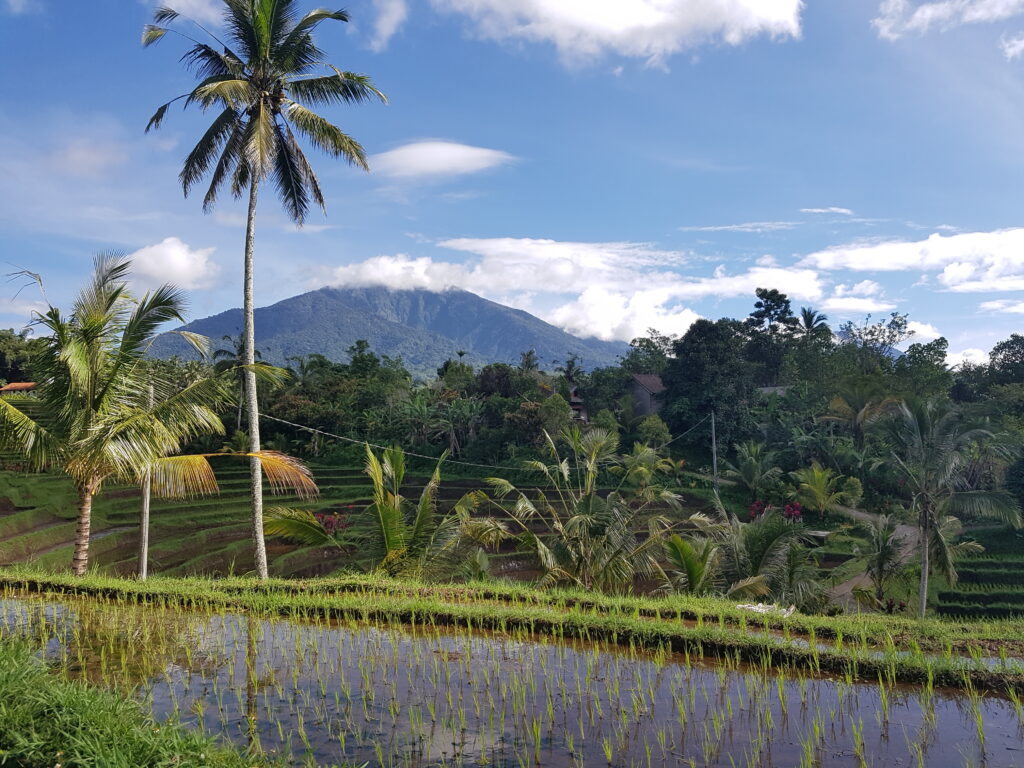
(354,441)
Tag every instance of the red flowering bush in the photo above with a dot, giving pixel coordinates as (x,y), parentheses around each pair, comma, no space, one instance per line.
(332,523)
(793,511)
(757,509)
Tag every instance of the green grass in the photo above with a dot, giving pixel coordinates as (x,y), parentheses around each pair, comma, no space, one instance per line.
(48,721)
(857,647)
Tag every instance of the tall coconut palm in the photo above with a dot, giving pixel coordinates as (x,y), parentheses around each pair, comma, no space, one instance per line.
(932,446)
(262,76)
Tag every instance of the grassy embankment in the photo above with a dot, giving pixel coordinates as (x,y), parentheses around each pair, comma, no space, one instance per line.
(48,721)
(861,647)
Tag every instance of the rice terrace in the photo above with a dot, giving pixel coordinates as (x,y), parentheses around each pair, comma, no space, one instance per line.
(471,476)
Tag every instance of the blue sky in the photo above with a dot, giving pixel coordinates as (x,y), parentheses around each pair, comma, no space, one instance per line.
(609,166)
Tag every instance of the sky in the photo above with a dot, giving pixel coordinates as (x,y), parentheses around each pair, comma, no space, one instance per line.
(608,165)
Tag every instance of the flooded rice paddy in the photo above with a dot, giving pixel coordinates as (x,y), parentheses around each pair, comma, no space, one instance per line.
(349,693)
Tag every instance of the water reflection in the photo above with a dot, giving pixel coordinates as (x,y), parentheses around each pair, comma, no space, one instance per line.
(394,695)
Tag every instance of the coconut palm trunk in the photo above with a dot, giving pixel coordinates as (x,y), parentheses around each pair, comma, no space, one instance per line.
(261,78)
(922,591)
(251,399)
(80,560)
(147,493)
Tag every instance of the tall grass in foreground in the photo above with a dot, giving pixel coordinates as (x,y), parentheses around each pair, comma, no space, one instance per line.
(47,720)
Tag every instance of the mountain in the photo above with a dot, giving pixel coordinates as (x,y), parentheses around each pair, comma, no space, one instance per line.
(424,328)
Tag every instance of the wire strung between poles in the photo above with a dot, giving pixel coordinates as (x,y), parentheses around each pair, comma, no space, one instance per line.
(354,441)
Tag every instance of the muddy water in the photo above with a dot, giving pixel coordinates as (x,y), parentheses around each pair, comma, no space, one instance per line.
(394,695)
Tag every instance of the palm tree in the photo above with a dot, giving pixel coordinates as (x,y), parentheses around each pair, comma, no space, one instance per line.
(857,406)
(818,488)
(92,418)
(811,323)
(397,535)
(571,369)
(883,552)
(258,77)
(694,569)
(528,362)
(932,447)
(754,469)
(589,539)
(769,555)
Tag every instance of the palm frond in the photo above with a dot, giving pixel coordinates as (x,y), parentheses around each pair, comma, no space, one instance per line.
(326,136)
(151,34)
(299,525)
(183,477)
(286,474)
(339,88)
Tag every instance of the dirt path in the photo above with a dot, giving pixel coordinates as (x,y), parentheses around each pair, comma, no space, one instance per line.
(908,537)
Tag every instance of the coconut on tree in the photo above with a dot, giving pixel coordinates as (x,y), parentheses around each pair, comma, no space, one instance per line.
(261,76)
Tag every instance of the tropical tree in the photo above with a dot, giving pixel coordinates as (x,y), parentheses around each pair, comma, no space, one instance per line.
(857,406)
(811,324)
(769,554)
(693,567)
(818,488)
(932,446)
(754,468)
(588,539)
(883,553)
(529,362)
(395,534)
(262,77)
(101,412)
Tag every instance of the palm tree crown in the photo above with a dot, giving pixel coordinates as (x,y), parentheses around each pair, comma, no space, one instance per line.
(931,447)
(92,418)
(262,83)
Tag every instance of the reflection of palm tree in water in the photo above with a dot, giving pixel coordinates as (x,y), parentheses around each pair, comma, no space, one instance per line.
(252,633)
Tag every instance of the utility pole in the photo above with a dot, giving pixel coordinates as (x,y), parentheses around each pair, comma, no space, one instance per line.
(714,452)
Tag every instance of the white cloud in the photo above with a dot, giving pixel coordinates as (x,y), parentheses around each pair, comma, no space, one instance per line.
(965,262)
(209,11)
(88,157)
(19,7)
(923,332)
(175,262)
(831,209)
(863,288)
(21,309)
(855,305)
(648,29)
(390,16)
(1004,306)
(749,226)
(601,289)
(436,158)
(1012,47)
(897,18)
(609,314)
(970,355)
